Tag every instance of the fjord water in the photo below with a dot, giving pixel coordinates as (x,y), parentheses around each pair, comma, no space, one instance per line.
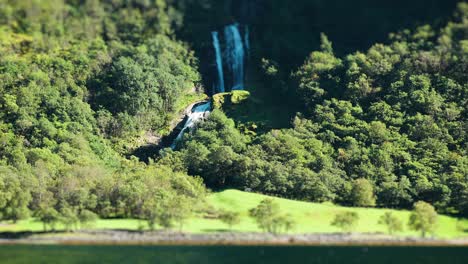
(219,88)
(235,55)
(16,254)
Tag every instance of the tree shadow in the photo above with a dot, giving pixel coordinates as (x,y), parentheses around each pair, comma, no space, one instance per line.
(133,231)
(26,234)
(217,230)
(12,235)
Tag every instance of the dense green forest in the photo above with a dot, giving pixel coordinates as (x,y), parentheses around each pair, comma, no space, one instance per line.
(390,121)
(82,82)
(79,81)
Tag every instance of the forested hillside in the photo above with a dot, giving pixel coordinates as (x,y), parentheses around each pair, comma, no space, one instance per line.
(385,127)
(82,81)
(79,80)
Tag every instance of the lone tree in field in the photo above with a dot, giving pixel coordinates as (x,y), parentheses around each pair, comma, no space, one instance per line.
(346,221)
(392,222)
(230,218)
(423,218)
(268,217)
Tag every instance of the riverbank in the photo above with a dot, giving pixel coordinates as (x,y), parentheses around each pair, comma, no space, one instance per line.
(104,237)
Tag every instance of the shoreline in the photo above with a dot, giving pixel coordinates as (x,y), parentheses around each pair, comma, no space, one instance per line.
(166,238)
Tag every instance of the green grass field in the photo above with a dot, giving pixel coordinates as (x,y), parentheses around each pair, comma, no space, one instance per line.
(310,218)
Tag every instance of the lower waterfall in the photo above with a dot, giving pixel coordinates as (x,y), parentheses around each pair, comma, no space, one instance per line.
(198,113)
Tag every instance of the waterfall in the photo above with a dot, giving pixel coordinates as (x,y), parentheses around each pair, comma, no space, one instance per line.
(198,113)
(247,40)
(234,58)
(219,63)
(235,55)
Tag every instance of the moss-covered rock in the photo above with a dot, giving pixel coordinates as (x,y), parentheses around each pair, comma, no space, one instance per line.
(223,100)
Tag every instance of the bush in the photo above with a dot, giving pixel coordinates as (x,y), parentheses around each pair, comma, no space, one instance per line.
(87,218)
(239,96)
(222,100)
(69,219)
(346,221)
(49,217)
(268,217)
(392,222)
(230,218)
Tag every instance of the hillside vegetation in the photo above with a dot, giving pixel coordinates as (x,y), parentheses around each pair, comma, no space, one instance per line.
(82,81)
(385,127)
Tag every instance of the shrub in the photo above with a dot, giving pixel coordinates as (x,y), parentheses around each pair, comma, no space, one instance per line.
(346,221)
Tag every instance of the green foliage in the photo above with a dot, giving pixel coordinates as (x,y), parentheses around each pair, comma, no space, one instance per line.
(14,195)
(143,85)
(158,195)
(230,218)
(229,100)
(174,211)
(269,218)
(80,81)
(212,148)
(346,221)
(382,127)
(392,222)
(423,218)
(49,217)
(362,193)
(87,219)
(69,218)
(316,76)
(76,80)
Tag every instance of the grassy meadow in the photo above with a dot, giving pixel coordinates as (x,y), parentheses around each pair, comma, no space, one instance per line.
(309,217)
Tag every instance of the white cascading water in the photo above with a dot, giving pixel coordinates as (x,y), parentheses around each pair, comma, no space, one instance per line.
(197,114)
(247,40)
(219,88)
(235,55)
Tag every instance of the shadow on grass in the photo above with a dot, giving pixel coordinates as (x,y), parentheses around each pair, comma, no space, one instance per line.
(217,230)
(25,234)
(28,234)
(134,231)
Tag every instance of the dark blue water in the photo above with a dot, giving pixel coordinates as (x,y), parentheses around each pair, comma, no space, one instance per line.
(16,254)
